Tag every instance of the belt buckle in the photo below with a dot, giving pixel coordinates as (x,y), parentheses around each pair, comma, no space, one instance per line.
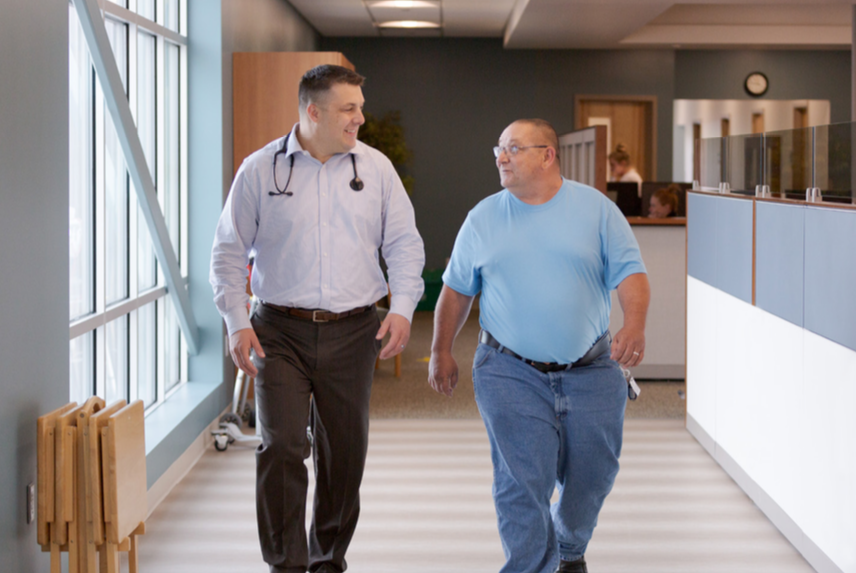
(315,316)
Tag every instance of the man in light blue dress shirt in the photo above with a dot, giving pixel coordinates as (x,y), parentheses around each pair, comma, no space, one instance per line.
(545,253)
(314,208)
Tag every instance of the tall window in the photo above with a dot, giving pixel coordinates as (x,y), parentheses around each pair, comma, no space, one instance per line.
(125,337)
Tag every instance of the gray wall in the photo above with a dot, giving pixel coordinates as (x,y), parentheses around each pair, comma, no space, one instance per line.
(719,74)
(457,95)
(34,257)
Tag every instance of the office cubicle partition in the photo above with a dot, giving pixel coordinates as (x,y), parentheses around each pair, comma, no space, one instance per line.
(771,329)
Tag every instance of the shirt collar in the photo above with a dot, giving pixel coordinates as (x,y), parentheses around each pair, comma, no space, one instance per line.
(294,146)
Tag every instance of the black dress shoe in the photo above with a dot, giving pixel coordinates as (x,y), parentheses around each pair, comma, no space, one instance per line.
(578,566)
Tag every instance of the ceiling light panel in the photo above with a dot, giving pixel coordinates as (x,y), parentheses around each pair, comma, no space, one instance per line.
(382,13)
(403,4)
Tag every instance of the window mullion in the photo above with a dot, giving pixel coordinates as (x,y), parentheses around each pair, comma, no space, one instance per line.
(133,209)
(182,163)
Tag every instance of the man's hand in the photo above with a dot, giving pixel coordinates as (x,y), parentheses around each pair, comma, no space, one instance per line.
(398,328)
(240,344)
(443,373)
(628,346)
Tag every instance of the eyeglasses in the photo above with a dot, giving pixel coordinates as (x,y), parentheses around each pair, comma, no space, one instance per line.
(513,150)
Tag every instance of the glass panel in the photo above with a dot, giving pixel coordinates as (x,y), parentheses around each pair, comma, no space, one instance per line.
(81,367)
(146,9)
(122,3)
(146,126)
(833,160)
(115,186)
(711,163)
(80,204)
(170,14)
(116,360)
(171,192)
(787,162)
(742,166)
(146,352)
(172,347)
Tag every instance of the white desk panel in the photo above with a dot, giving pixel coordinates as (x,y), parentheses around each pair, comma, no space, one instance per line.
(702,355)
(828,459)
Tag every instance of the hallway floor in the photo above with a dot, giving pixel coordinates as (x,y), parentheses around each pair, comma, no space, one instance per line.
(427,508)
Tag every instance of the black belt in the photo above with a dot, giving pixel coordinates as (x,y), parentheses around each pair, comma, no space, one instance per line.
(600,346)
(318,315)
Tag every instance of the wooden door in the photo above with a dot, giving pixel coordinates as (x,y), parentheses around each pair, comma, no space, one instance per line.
(632,121)
(264,95)
(758,122)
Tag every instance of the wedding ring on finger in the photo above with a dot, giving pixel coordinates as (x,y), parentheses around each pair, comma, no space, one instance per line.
(635,354)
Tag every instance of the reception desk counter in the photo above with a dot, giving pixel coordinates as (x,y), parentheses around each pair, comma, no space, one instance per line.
(663,244)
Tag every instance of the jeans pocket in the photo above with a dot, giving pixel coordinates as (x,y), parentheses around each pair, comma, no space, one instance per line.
(483,352)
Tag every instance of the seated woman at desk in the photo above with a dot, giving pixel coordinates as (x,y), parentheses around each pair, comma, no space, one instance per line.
(664,202)
(620,168)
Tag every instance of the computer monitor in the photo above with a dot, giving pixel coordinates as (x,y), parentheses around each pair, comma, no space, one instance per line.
(627,198)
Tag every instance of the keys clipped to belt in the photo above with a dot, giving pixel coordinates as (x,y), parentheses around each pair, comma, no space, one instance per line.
(633,390)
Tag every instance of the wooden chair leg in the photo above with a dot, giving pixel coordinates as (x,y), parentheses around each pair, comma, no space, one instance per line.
(56,559)
(377,363)
(398,365)
(110,561)
(132,555)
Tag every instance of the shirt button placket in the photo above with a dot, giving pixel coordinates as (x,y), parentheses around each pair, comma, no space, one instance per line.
(324,228)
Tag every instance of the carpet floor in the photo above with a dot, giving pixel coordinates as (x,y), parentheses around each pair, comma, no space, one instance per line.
(410,396)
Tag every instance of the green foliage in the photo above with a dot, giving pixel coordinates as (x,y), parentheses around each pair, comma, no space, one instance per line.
(387,136)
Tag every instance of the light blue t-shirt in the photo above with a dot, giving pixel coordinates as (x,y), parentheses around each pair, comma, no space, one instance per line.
(545,271)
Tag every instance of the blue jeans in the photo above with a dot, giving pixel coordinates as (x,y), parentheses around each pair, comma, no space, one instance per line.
(559,429)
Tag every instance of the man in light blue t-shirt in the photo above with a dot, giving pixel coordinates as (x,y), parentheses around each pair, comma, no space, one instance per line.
(545,253)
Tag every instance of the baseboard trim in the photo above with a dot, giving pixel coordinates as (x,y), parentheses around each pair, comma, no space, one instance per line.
(181,466)
(659,372)
(777,516)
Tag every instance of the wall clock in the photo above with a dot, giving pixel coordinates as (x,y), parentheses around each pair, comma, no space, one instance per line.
(756,84)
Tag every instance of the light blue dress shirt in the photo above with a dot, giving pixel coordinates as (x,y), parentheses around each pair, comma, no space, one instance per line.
(318,248)
(544,271)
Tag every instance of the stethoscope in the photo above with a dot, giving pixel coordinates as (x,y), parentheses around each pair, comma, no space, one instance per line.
(356,183)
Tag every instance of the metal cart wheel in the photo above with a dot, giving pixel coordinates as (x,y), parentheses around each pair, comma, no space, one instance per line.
(231,417)
(221,443)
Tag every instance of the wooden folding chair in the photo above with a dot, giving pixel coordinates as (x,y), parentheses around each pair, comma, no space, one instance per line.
(123,452)
(47,525)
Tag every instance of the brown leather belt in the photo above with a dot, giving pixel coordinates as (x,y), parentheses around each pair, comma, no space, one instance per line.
(318,315)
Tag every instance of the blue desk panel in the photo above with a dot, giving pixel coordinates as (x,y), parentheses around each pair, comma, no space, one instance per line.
(701,237)
(830,274)
(780,259)
(734,247)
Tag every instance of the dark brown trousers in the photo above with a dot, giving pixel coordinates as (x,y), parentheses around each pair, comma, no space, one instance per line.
(332,363)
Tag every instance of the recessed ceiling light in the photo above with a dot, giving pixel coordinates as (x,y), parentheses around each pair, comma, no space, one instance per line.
(408,24)
(405,4)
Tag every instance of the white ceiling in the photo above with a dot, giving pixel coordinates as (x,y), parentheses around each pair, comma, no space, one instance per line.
(593,24)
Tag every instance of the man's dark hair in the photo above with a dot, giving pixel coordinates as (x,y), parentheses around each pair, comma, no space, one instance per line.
(317,81)
(546,130)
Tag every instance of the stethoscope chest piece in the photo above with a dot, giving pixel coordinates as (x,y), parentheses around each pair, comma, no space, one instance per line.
(357,184)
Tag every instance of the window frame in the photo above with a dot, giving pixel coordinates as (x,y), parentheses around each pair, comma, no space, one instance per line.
(95,323)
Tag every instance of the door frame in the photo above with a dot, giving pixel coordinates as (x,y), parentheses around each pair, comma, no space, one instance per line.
(649,100)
